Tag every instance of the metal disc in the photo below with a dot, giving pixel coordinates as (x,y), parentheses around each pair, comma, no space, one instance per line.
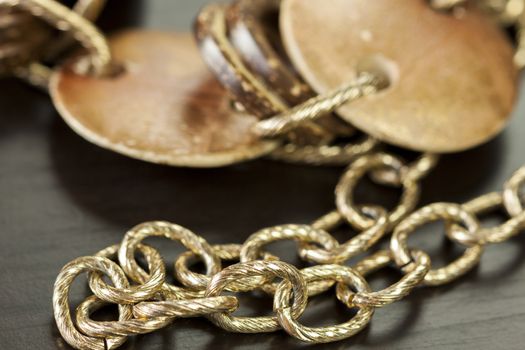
(254,32)
(248,89)
(165,107)
(454,83)
(223,59)
(253,27)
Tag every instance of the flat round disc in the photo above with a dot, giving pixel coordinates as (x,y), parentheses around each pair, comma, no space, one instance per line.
(254,32)
(253,27)
(454,83)
(165,107)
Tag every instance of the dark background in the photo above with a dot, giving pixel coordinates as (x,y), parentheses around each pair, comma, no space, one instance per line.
(61,198)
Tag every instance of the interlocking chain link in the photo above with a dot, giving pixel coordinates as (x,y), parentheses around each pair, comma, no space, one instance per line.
(33,36)
(151,303)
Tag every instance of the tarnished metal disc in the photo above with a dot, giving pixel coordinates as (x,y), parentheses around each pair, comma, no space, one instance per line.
(165,107)
(454,83)
(253,27)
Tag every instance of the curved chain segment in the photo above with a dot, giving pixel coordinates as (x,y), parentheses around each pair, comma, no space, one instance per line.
(146,289)
(35,35)
(170,231)
(434,212)
(338,273)
(512,199)
(62,313)
(354,246)
(345,190)
(227,252)
(81,28)
(121,328)
(395,292)
(150,303)
(289,274)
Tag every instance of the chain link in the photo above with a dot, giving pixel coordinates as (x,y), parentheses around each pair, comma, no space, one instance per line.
(355,215)
(389,295)
(439,211)
(342,274)
(365,84)
(33,36)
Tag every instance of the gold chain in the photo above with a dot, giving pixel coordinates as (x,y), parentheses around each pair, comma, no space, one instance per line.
(152,303)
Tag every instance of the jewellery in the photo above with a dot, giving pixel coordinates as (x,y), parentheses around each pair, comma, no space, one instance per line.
(151,303)
(305,133)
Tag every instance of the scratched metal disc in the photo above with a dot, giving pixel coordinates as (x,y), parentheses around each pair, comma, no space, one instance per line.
(454,83)
(165,107)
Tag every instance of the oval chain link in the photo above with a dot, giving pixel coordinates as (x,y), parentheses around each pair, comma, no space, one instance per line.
(439,211)
(395,292)
(337,273)
(362,166)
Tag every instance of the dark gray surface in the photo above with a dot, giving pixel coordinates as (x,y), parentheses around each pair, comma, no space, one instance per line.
(61,198)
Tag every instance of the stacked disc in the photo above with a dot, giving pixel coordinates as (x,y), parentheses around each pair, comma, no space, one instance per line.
(242,45)
(433,60)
